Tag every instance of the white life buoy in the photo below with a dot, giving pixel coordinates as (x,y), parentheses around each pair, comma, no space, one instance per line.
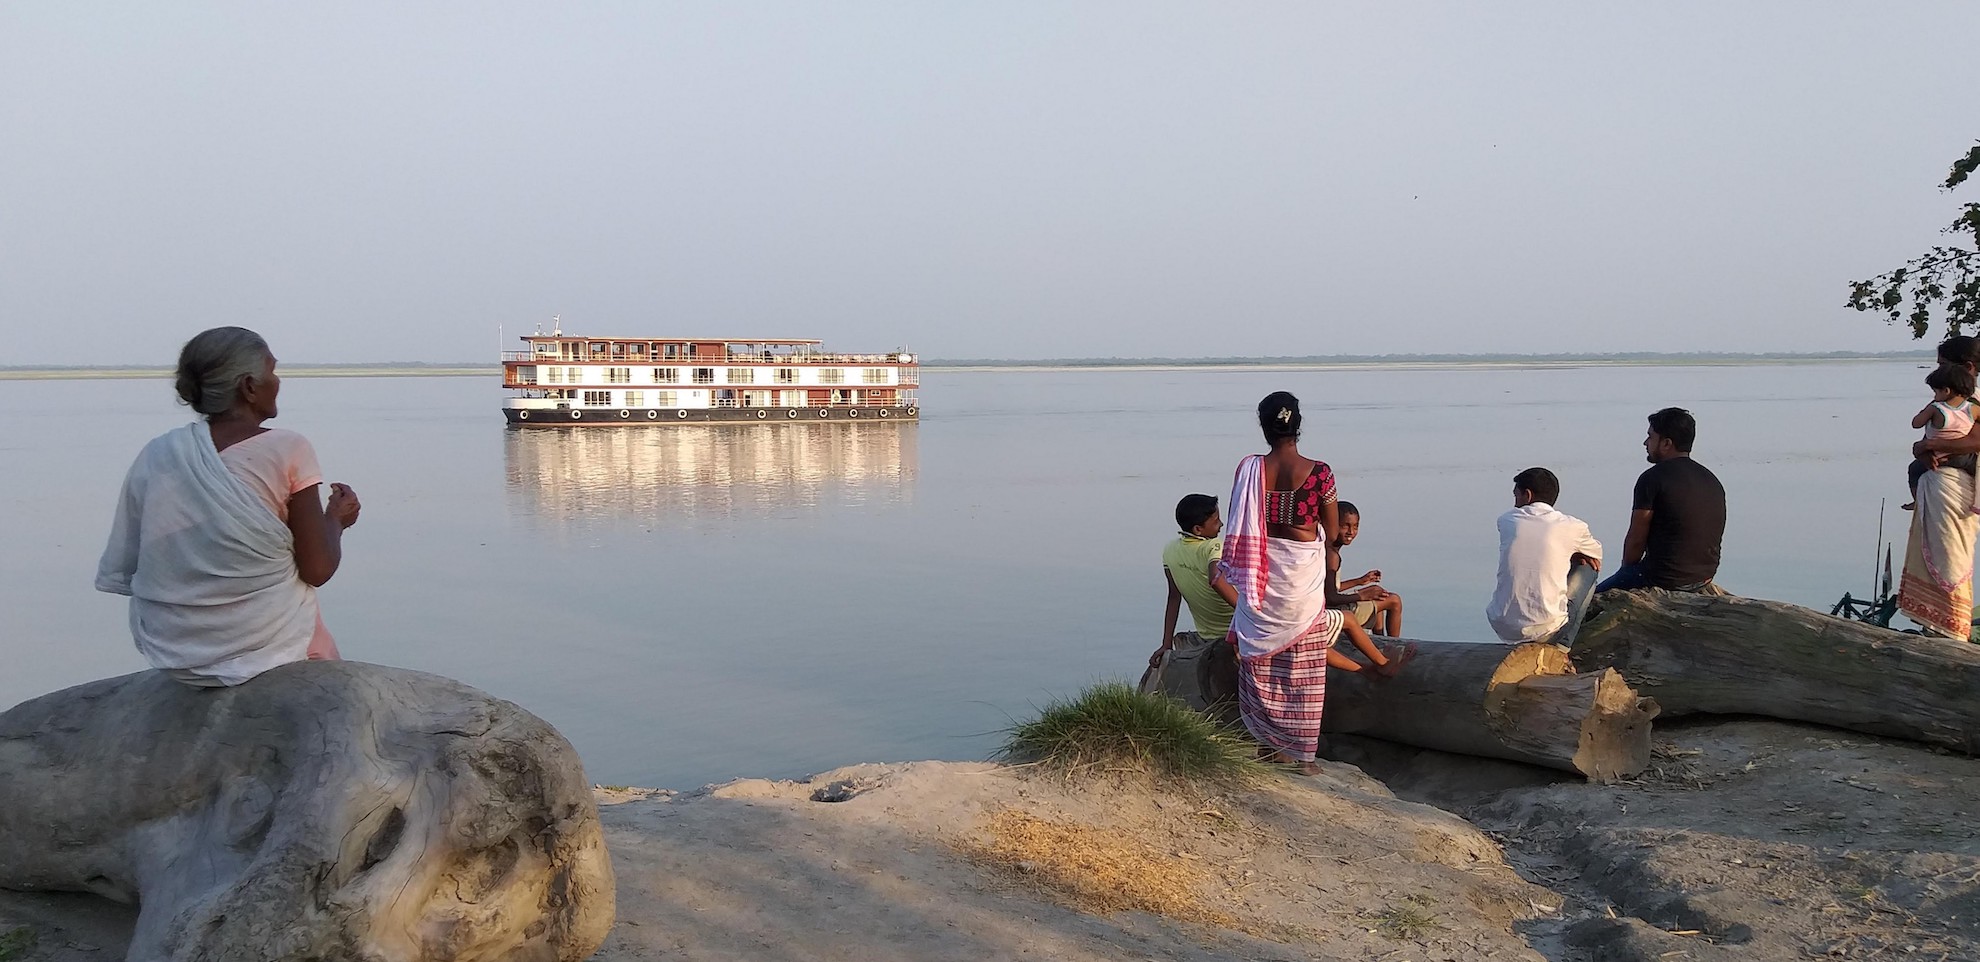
(522,415)
(913,411)
(577,415)
(682,414)
(652,414)
(761,414)
(883,413)
(824,412)
(624,414)
(853,413)
(792,414)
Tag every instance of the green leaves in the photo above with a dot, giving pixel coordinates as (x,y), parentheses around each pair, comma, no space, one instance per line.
(1945,281)
(1963,168)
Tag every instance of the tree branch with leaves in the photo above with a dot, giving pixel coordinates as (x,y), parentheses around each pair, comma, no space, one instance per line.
(1945,280)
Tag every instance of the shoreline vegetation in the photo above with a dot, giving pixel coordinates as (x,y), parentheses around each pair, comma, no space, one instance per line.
(1310,362)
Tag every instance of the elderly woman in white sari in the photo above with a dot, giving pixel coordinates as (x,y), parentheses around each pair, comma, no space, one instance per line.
(1282,512)
(221,536)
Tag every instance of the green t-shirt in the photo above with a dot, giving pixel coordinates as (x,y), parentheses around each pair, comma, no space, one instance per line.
(1190,560)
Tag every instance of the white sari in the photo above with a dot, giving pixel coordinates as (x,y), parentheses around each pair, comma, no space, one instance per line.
(1281,583)
(210,570)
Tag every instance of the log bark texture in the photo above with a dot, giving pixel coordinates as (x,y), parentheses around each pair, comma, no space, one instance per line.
(1742,656)
(1522,703)
(323,811)
(1201,674)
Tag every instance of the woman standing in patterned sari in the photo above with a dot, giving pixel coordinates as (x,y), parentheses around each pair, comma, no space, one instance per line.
(1282,510)
(1936,589)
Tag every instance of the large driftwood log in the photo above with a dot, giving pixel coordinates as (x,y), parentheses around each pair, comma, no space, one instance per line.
(1201,674)
(1742,656)
(1521,703)
(323,811)
(1518,702)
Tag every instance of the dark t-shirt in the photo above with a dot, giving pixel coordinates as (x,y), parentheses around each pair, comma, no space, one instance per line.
(1687,506)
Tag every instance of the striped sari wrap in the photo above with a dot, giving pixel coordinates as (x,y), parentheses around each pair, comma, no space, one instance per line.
(1282,627)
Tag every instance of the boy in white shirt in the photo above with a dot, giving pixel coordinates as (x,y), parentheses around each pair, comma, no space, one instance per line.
(1548,563)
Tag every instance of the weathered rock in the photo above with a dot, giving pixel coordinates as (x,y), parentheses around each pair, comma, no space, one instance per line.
(326,810)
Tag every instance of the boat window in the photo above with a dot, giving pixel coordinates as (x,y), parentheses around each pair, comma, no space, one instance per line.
(601,399)
(742,375)
(704,375)
(635,399)
(553,375)
(666,375)
(664,399)
(787,375)
(874,375)
(618,375)
(831,375)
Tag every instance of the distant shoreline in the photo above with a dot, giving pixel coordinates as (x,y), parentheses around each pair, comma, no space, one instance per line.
(1313,363)
(328,370)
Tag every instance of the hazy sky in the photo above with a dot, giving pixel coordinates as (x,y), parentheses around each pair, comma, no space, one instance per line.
(394,181)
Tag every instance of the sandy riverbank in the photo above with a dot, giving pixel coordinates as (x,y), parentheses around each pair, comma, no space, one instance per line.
(1750,840)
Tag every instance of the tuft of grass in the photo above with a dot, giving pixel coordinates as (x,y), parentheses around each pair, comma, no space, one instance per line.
(1115,727)
(1405,922)
(16,943)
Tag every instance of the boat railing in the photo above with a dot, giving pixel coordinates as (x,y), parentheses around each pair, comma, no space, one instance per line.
(773,360)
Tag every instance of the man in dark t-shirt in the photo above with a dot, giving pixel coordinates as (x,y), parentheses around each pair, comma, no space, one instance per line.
(1678,516)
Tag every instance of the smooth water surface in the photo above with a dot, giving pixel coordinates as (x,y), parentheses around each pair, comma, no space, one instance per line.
(689,604)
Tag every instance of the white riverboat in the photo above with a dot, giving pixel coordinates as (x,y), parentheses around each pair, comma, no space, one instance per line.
(561,380)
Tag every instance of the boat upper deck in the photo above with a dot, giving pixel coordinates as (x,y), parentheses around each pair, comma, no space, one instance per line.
(645,350)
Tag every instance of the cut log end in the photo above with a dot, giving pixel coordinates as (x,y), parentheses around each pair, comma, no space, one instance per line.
(1595,723)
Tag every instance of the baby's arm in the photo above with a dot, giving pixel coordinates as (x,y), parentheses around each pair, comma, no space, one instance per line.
(1929,414)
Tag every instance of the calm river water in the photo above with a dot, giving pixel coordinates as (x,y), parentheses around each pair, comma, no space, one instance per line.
(692,604)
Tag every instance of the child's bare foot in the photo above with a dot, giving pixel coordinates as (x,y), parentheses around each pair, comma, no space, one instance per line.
(1908,506)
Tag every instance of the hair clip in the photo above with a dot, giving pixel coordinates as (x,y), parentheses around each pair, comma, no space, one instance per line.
(1285,414)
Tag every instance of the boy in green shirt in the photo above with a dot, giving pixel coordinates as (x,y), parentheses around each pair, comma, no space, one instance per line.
(1189,565)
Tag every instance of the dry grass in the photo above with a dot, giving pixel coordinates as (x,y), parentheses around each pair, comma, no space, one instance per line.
(1405,922)
(1100,870)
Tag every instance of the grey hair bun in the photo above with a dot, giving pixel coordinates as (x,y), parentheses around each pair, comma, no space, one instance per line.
(213,364)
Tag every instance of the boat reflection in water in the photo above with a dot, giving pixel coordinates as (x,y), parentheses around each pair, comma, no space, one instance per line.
(690,472)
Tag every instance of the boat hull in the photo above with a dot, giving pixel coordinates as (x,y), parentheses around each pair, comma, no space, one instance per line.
(663,417)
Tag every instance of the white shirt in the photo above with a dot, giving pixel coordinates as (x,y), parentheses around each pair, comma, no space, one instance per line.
(1536,543)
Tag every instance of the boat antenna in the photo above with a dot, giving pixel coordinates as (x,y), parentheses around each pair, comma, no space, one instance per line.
(1881,502)
(556,325)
